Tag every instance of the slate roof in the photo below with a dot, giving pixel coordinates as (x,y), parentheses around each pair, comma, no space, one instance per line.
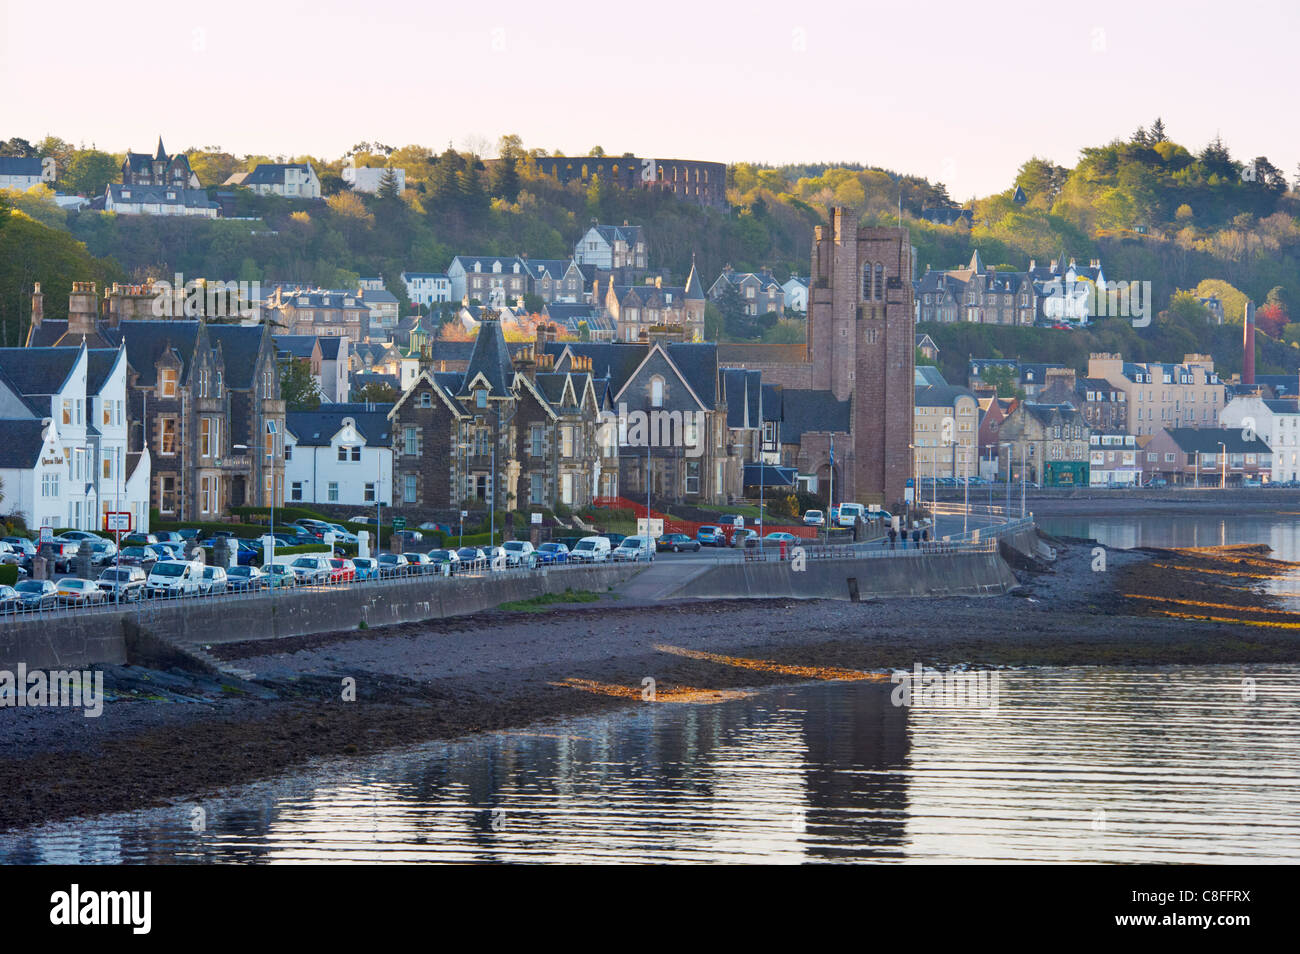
(940,396)
(811,411)
(490,358)
(21,443)
(363,378)
(315,428)
(272,173)
(772,403)
(14,166)
(300,346)
(160,195)
(99,365)
(329,347)
(927,375)
(1281,407)
(769,475)
(37,372)
(147,340)
(1206,440)
(239,346)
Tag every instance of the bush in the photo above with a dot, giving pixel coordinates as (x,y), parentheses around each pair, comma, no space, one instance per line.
(9,574)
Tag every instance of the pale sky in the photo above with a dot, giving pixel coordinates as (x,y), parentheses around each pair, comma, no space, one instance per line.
(959,92)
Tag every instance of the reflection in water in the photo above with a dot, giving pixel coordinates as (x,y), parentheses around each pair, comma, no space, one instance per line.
(1077,765)
(1280,531)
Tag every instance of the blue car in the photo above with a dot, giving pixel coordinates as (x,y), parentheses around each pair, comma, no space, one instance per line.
(367,568)
(711,536)
(553,553)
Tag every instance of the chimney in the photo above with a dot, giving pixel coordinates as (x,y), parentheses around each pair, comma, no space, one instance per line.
(38,305)
(83,306)
(1248,345)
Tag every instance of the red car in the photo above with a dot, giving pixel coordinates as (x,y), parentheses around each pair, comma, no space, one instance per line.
(342,571)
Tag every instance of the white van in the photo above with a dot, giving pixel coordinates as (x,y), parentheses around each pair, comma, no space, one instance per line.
(634,550)
(170,578)
(849,514)
(590,550)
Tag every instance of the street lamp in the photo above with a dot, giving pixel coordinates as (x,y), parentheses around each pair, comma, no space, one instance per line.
(1223,482)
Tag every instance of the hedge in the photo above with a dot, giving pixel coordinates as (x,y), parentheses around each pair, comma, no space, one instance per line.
(8,574)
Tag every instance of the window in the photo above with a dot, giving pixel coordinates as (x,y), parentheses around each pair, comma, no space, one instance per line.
(343,452)
(333,491)
(880,282)
(49,485)
(295,490)
(537,436)
(288,452)
(409,488)
(692,477)
(205,495)
(167,494)
(369,494)
(656,391)
(566,488)
(426,399)
(408,441)
(536,488)
(67,412)
(205,437)
(167,382)
(167,436)
(356,452)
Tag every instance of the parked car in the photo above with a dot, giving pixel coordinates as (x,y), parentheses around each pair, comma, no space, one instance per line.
(777,537)
(553,552)
(614,538)
(1251,482)
(634,550)
(814,518)
(172,578)
(22,546)
(394,564)
(363,518)
(137,556)
(60,553)
(175,536)
(520,553)
(472,558)
(124,584)
(246,579)
(279,576)
(408,537)
(37,594)
(76,536)
(710,535)
(677,542)
(185,534)
(102,552)
(591,550)
(8,554)
(744,538)
(164,551)
(365,568)
(10,601)
(849,513)
(568,542)
(446,561)
(343,535)
(77,592)
(213,580)
(311,568)
(342,571)
(139,539)
(419,562)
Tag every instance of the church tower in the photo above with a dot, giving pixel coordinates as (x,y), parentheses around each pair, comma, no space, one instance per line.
(862,346)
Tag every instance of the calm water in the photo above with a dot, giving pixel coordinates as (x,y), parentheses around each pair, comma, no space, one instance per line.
(1076,765)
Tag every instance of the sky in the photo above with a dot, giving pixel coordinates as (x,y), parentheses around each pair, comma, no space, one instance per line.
(957,92)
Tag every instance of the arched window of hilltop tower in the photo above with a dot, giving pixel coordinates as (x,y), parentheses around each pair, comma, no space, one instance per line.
(866,282)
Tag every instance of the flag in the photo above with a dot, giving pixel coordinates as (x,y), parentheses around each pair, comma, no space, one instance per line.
(832,452)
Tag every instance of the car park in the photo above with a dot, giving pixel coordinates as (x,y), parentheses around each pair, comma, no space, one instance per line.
(102,552)
(173,578)
(73,591)
(37,594)
(212,580)
(365,568)
(520,553)
(553,552)
(139,539)
(677,542)
(123,583)
(245,579)
(59,554)
(814,518)
(778,537)
(22,546)
(634,550)
(591,550)
(446,561)
(311,568)
(711,535)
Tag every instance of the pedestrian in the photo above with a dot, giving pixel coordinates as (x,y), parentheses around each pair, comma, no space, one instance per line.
(916,538)
(925,536)
(893,537)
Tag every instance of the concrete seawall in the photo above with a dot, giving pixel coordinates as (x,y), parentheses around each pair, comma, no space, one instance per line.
(100,636)
(982,573)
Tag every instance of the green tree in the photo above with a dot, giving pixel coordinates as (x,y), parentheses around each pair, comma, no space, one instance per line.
(88,172)
(377,393)
(298,385)
(1003,378)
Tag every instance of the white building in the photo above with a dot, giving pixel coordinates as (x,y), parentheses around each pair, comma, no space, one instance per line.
(427,288)
(796,293)
(63,438)
(341,454)
(334,360)
(1113,459)
(157,200)
(21,174)
(1275,423)
(612,246)
(370,178)
(293,180)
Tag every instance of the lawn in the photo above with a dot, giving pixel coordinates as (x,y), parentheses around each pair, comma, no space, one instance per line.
(539,604)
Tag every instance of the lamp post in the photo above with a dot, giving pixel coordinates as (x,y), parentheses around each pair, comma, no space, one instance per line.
(1223,448)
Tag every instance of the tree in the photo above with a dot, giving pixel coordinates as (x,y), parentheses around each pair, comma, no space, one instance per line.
(1003,378)
(1157,133)
(88,172)
(388,186)
(17,149)
(376,393)
(298,385)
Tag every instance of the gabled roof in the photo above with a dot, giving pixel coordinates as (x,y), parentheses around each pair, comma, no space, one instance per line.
(146,341)
(21,443)
(100,363)
(239,345)
(272,173)
(159,195)
(317,428)
(1206,440)
(489,361)
(940,395)
(14,166)
(300,346)
(37,372)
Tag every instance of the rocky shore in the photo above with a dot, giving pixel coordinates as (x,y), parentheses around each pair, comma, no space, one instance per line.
(167,736)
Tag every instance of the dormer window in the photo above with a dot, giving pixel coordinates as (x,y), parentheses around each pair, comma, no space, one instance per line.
(480,398)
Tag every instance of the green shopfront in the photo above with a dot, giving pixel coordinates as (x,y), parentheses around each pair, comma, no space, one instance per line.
(1065,473)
